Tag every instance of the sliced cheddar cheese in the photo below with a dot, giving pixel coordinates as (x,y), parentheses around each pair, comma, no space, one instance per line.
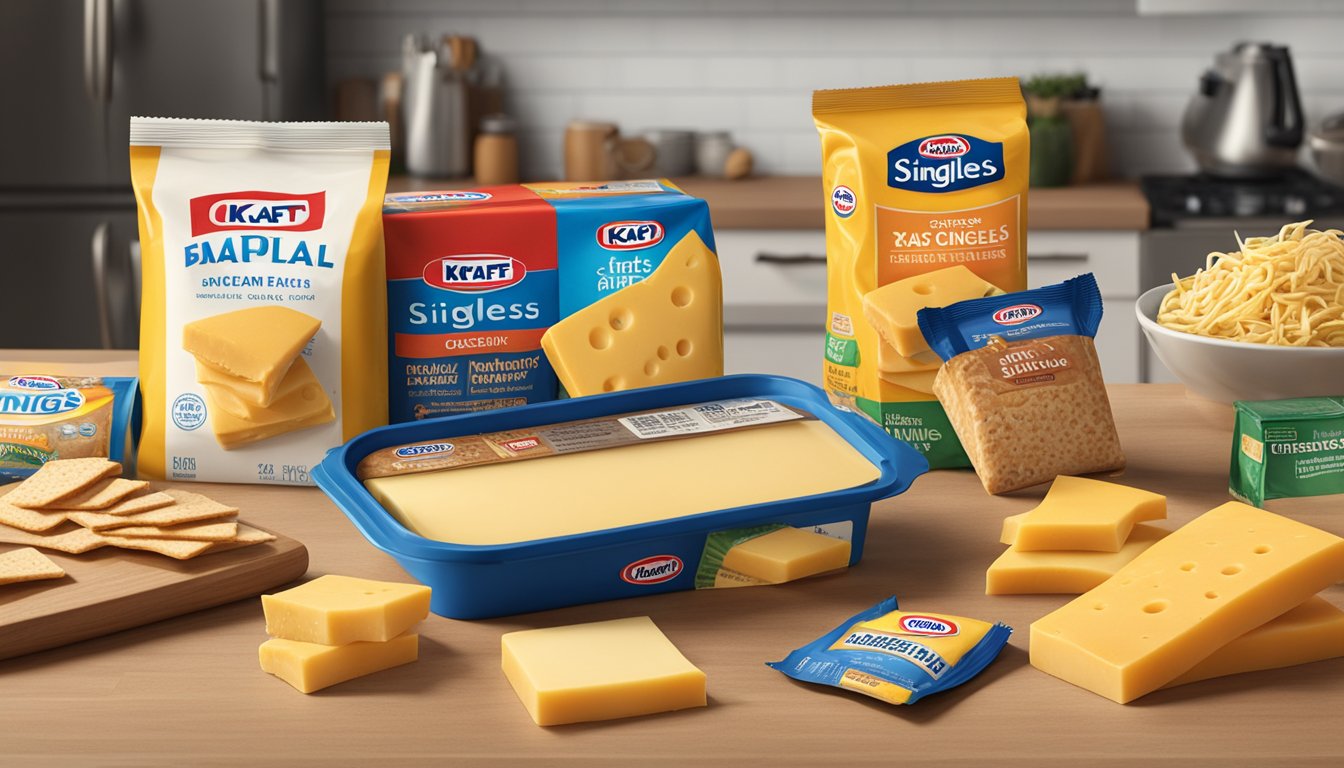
(257,344)
(1083,514)
(1063,572)
(1313,631)
(787,554)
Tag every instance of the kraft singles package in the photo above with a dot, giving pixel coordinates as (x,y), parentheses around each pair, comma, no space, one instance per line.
(476,277)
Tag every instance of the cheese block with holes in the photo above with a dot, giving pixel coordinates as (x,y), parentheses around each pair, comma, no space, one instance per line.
(1218,577)
(666,328)
(891,310)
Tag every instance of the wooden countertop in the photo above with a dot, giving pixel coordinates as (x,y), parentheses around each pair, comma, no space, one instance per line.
(189,690)
(797,202)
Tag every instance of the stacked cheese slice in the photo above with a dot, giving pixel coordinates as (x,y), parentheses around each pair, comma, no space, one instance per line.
(337,628)
(256,381)
(1230,592)
(903,356)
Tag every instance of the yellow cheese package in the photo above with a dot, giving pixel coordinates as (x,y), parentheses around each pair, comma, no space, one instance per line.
(926,190)
(897,656)
(263,333)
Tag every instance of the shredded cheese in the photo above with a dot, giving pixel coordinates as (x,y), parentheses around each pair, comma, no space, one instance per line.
(1286,290)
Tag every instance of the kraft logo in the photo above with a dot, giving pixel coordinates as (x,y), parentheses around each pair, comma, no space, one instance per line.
(1017,314)
(629,235)
(254,210)
(843,201)
(451,196)
(420,451)
(34,382)
(41,402)
(944,163)
(474,273)
(944,146)
(652,570)
(928,626)
(521,444)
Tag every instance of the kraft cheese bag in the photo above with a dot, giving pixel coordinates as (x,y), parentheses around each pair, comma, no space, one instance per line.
(263,318)
(926,189)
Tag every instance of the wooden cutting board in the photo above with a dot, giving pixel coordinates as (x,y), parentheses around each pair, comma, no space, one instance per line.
(109,589)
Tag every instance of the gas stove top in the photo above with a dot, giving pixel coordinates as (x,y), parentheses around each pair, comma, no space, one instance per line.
(1184,200)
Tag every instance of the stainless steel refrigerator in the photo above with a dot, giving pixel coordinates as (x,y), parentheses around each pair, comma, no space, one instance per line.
(72,72)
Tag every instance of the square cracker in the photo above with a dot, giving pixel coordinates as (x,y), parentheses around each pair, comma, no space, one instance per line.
(188,508)
(247,536)
(27,564)
(34,520)
(207,531)
(73,541)
(101,494)
(179,550)
(60,478)
(141,503)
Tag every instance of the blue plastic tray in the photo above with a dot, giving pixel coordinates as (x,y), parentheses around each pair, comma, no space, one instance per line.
(473,582)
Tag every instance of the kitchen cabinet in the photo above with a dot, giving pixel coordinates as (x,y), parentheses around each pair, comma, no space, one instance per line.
(774,295)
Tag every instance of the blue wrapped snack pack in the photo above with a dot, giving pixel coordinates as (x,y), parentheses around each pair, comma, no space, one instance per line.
(51,411)
(1022,385)
(897,656)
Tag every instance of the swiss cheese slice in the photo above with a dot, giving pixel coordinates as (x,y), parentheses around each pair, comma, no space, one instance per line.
(1079,513)
(256,344)
(1313,631)
(599,671)
(666,328)
(518,501)
(1218,577)
(892,309)
(1063,572)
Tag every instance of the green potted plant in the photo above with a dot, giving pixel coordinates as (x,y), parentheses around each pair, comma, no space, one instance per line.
(1051,142)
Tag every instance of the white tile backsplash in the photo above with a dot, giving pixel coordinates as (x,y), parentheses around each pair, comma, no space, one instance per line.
(749,66)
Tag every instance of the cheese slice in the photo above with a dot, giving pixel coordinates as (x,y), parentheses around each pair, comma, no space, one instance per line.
(599,671)
(787,554)
(311,667)
(306,406)
(891,361)
(1083,514)
(891,310)
(256,344)
(1313,631)
(518,501)
(248,398)
(666,328)
(1226,572)
(1063,572)
(919,381)
(336,610)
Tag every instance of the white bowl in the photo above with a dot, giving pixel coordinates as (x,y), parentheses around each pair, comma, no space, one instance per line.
(1225,371)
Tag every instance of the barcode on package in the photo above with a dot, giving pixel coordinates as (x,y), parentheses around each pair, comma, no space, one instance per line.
(707,417)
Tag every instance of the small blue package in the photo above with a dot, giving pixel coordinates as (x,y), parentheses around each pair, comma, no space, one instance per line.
(1022,385)
(52,411)
(897,656)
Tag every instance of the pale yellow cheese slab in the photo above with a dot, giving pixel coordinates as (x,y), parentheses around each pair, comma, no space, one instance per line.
(641,483)
(257,344)
(892,309)
(1218,577)
(336,610)
(666,328)
(1063,572)
(599,671)
(311,667)
(787,554)
(1313,631)
(1079,513)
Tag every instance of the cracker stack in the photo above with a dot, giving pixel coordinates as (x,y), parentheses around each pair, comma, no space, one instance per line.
(78,505)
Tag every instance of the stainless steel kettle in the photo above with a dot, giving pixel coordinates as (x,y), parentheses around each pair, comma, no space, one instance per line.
(1246,119)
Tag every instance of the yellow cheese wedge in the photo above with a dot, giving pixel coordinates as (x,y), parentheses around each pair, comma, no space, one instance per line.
(919,381)
(1083,514)
(336,610)
(891,361)
(787,554)
(248,398)
(256,344)
(1063,572)
(311,667)
(517,501)
(891,310)
(599,671)
(1226,572)
(1313,631)
(666,328)
(307,406)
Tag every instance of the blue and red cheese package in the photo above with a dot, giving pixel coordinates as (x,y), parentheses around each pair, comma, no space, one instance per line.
(477,277)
